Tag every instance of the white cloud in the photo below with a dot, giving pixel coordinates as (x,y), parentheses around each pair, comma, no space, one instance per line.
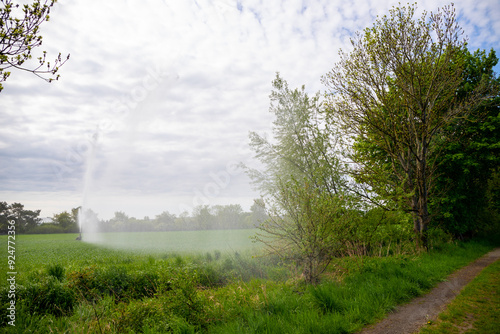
(173,89)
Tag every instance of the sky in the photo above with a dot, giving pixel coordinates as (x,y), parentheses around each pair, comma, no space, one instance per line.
(152,111)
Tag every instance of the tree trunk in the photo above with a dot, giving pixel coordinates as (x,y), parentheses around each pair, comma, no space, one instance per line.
(420,201)
(421,220)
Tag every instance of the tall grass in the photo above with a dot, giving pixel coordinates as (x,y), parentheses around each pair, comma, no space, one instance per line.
(371,289)
(88,289)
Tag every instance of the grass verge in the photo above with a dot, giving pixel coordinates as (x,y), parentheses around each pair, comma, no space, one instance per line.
(214,292)
(475,309)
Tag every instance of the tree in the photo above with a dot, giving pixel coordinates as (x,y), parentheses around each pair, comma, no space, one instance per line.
(165,221)
(119,222)
(228,216)
(203,217)
(258,212)
(469,156)
(307,225)
(19,36)
(67,221)
(302,183)
(25,219)
(4,217)
(393,94)
(304,145)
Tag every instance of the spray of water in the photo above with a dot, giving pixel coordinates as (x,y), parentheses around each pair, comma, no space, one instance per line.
(87,220)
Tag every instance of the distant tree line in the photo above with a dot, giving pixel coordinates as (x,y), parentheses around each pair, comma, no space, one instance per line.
(203,217)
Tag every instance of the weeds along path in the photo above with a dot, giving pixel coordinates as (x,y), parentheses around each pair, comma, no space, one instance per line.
(410,317)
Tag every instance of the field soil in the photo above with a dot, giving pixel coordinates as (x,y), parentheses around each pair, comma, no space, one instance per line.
(409,318)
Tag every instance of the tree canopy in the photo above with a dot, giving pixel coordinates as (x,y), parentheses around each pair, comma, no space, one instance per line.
(302,182)
(394,94)
(20,35)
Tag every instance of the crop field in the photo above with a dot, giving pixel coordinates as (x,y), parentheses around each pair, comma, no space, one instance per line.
(180,241)
(36,251)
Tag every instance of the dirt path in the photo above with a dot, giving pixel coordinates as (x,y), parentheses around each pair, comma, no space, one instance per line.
(410,317)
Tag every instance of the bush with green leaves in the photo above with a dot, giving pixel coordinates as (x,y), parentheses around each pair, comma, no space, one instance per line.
(56,271)
(49,296)
(92,283)
(309,226)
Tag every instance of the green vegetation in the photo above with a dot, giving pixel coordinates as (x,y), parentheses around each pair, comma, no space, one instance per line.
(407,90)
(475,310)
(404,142)
(70,286)
(20,34)
(356,216)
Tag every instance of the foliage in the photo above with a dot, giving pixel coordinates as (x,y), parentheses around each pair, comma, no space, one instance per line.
(381,232)
(92,283)
(19,36)
(304,146)
(159,292)
(469,157)
(302,181)
(393,94)
(56,271)
(46,229)
(49,296)
(25,219)
(308,226)
(203,217)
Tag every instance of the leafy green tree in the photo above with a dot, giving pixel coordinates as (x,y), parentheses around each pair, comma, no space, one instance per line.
(64,219)
(20,34)
(304,146)
(302,182)
(258,212)
(308,225)
(25,219)
(4,217)
(203,217)
(470,154)
(228,216)
(393,94)
(165,221)
(119,222)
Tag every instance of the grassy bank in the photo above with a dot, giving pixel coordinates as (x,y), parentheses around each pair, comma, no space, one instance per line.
(83,288)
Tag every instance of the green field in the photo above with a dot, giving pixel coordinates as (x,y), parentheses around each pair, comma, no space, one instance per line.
(179,241)
(35,251)
(205,281)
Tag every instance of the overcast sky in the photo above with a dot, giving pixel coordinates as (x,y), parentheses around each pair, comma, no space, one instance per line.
(153,109)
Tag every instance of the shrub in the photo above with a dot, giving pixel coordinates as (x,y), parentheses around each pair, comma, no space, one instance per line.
(133,315)
(46,229)
(210,276)
(328,297)
(48,297)
(56,271)
(144,284)
(182,299)
(113,281)
(82,282)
